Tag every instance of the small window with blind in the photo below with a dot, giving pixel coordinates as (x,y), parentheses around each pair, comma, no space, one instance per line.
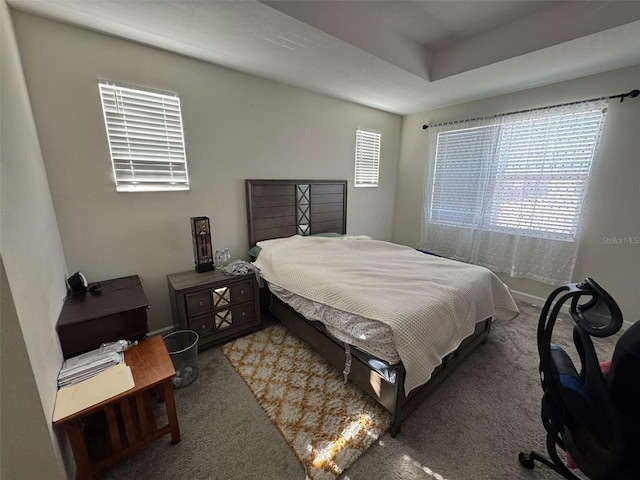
(521,176)
(146,140)
(367,158)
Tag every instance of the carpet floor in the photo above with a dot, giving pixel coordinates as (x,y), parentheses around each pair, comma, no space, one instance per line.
(472,427)
(328,424)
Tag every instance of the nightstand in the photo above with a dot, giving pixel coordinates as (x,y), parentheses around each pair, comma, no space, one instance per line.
(218,307)
(117,311)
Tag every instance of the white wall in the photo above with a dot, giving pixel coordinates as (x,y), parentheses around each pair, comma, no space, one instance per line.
(33,287)
(611,209)
(236,126)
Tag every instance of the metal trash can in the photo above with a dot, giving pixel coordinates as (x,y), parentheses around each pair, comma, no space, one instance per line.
(182,346)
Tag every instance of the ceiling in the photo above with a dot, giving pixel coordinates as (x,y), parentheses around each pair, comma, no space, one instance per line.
(399,56)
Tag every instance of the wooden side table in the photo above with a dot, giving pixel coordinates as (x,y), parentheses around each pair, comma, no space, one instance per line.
(127,420)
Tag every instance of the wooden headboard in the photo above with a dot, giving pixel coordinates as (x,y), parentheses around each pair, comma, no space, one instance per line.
(281,208)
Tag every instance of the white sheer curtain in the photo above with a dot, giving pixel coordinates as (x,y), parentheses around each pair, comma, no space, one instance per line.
(507,192)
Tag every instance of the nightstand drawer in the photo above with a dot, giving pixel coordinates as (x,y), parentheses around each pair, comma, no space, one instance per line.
(242,313)
(205,301)
(233,317)
(241,292)
(223,319)
(203,325)
(221,297)
(198,303)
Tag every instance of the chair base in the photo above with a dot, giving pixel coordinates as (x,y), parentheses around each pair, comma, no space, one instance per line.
(527,460)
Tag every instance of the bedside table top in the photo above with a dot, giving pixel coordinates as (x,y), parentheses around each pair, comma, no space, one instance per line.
(116,295)
(191,278)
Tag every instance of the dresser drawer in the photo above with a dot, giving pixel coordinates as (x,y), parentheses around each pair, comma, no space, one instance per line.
(232,317)
(241,292)
(220,297)
(202,325)
(223,319)
(198,303)
(207,300)
(242,313)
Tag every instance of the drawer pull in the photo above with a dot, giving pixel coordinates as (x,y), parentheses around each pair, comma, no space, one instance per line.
(203,327)
(243,313)
(201,303)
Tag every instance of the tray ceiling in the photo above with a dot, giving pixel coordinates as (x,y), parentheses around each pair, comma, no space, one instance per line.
(395,55)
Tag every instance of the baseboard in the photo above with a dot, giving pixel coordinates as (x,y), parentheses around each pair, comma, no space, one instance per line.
(527,298)
(533,300)
(161,331)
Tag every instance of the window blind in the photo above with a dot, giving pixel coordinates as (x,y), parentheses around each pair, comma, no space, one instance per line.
(146,141)
(526,177)
(460,179)
(367,158)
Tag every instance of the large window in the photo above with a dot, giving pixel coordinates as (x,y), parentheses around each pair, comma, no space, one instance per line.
(367,158)
(146,141)
(512,177)
(526,177)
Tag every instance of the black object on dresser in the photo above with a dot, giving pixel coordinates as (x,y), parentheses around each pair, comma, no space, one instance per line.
(110,310)
(218,307)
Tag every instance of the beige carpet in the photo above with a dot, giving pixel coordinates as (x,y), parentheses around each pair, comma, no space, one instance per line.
(471,427)
(327,424)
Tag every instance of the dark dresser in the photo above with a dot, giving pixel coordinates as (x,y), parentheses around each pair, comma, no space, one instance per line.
(218,307)
(115,310)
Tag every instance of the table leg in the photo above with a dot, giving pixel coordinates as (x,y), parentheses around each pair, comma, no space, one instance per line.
(80,453)
(170,404)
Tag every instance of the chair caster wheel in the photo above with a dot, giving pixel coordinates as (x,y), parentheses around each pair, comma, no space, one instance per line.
(525,460)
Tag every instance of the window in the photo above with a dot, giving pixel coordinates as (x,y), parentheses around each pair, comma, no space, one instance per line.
(367,158)
(146,141)
(507,192)
(526,177)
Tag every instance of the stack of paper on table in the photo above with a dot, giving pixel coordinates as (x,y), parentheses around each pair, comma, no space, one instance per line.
(106,384)
(87,365)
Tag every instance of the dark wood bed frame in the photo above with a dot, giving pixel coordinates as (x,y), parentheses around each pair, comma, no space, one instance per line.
(281,208)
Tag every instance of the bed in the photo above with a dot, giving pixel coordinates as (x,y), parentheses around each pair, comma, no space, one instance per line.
(297,234)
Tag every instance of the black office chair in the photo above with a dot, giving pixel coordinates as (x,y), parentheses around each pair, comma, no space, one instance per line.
(595,420)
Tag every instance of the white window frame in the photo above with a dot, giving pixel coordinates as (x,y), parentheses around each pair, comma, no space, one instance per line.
(146,138)
(527,178)
(367,158)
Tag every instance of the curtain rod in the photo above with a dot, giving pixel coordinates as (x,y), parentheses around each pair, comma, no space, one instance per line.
(622,96)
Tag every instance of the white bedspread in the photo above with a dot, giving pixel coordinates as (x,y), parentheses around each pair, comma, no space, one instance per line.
(430,303)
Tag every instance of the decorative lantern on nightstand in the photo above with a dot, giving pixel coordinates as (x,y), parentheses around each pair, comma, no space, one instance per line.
(202,251)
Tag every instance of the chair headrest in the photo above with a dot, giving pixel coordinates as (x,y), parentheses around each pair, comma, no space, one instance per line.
(600,316)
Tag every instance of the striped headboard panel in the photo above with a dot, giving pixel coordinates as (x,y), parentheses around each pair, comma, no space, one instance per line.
(281,208)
